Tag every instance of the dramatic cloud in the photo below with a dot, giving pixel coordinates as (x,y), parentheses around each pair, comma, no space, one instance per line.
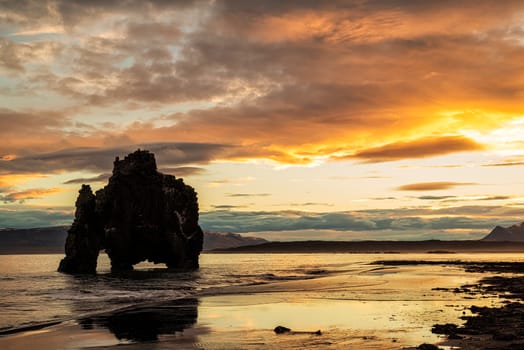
(421,148)
(101,159)
(29,194)
(30,131)
(432,186)
(467,222)
(478,219)
(228,90)
(100,178)
(288,82)
(34,217)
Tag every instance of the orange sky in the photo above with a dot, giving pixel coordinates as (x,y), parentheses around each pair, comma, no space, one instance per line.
(345,119)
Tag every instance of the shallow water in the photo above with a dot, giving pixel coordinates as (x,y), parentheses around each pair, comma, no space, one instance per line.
(355,302)
(31,290)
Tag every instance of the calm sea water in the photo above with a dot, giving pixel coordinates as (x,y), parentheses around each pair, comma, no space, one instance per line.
(32,292)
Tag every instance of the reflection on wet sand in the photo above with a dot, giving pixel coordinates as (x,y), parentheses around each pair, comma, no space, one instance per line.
(147,323)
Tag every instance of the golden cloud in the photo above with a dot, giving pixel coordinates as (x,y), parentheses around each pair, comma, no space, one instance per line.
(420,148)
(432,186)
(32,193)
(294,83)
(7,181)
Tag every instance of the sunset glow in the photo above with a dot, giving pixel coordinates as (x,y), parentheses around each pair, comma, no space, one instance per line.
(292,120)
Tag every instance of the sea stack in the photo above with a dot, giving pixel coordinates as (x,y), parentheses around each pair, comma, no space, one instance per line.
(141,214)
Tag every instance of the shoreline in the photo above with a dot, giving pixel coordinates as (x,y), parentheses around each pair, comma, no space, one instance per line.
(356,247)
(390,304)
(377,247)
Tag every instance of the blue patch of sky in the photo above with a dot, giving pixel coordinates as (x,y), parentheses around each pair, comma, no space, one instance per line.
(126,63)
(175,51)
(41,98)
(28,38)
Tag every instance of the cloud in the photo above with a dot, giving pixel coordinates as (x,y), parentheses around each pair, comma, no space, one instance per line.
(286,220)
(235,181)
(11,180)
(297,83)
(477,198)
(276,79)
(420,148)
(464,198)
(435,198)
(9,56)
(184,171)
(30,131)
(32,193)
(99,178)
(504,164)
(464,222)
(248,194)
(380,223)
(227,207)
(432,186)
(101,159)
(34,217)
(310,204)
(496,198)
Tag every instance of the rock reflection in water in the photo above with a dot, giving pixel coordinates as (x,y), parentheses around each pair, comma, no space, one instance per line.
(147,323)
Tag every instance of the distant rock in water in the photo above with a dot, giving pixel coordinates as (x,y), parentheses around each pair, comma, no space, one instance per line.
(141,214)
(513,233)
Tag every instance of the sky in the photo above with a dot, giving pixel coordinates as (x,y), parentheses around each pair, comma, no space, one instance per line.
(342,120)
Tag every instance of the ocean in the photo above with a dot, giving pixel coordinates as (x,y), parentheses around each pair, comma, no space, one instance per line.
(32,292)
(305,291)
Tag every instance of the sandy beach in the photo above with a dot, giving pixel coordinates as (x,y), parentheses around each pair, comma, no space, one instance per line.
(384,306)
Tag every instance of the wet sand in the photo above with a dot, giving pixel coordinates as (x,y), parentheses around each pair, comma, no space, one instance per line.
(488,327)
(376,307)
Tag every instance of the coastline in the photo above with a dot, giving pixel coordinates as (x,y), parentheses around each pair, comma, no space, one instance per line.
(383,306)
(357,247)
(373,247)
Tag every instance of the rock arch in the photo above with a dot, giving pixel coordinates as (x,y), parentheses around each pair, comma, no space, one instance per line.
(141,214)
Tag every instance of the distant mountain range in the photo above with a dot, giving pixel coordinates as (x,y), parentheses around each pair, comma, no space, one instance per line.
(33,240)
(513,233)
(381,247)
(221,240)
(46,240)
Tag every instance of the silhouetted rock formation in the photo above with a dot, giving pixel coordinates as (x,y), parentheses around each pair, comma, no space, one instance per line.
(513,233)
(85,236)
(139,215)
